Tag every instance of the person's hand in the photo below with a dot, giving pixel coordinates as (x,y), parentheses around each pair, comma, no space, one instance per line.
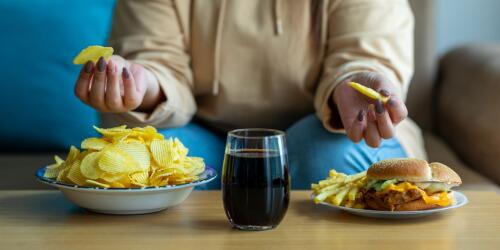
(363,117)
(117,86)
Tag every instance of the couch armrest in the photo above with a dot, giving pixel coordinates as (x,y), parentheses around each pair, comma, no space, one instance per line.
(467,106)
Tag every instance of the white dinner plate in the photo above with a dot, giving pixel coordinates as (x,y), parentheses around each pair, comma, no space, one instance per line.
(460,200)
(127,200)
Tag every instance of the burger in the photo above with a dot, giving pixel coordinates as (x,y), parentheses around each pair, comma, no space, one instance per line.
(409,185)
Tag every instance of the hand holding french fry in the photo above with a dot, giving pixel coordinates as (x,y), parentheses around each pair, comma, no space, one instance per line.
(369,107)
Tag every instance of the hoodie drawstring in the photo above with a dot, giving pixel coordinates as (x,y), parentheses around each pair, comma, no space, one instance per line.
(218,35)
(278,23)
(324,26)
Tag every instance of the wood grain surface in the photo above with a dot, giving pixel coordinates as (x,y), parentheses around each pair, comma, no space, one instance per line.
(46,220)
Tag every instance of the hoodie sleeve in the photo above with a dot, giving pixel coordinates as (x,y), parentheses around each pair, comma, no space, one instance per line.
(149,33)
(364,35)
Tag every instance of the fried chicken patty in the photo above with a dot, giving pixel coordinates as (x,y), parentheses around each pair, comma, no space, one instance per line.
(389,200)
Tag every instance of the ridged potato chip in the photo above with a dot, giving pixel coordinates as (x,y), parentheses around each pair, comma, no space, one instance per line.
(89,166)
(140,178)
(93,53)
(61,177)
(75,175)
(124,158)
(53,170)
(117,184)
(94,143)
(138,151)
(162,152)
(147,134)
(114,160)
(58,160)
(113,177)
(97,184)
(72,155)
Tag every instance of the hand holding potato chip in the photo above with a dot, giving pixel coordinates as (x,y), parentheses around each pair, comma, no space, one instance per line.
(112,84)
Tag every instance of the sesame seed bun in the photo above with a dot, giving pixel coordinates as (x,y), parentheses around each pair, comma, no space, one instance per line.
(443,173)
(413,170)
(404,169)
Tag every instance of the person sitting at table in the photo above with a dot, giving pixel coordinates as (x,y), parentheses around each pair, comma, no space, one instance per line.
(201,68)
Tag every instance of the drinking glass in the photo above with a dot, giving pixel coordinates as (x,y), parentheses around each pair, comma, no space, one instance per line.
(255,178)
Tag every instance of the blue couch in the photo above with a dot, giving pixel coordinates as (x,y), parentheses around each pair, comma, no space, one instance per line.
(40,114)
(39,40)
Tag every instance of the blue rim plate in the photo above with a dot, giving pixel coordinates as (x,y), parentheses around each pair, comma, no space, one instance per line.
(208,175)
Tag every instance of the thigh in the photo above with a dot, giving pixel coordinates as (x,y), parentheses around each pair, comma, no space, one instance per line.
(201,142)
(313,151)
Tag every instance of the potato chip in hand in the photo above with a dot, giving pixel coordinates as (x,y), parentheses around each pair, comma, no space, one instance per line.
(93,53)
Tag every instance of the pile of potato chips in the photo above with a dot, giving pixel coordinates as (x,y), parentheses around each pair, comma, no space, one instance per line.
(124,158)
(340,189)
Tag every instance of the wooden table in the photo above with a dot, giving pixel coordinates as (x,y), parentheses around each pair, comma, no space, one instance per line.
(46,220)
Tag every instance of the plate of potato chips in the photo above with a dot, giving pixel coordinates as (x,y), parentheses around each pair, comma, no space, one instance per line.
(127,171)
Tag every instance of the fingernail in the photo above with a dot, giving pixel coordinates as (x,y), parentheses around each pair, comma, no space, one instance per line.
(101,64)
(111,67)
(371,113)
(88,67)
(379,108)
(385,92)
(125,73)
(391,102)
(361,115)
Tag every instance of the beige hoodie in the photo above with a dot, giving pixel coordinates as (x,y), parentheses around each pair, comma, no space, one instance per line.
(263,63)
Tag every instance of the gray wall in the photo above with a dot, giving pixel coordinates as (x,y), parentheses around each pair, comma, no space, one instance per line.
(466,21)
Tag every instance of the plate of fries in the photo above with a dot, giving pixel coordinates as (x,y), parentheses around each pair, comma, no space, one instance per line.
(127,171)
(343,192)
(340,190)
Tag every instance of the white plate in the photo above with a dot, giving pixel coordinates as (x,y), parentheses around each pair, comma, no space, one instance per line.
(127,200)
(460,200)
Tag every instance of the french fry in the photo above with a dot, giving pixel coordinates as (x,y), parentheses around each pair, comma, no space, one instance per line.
(340,196)
(334,186)
(322,196)
(368,92)
(352,193)
(358,176)
(340,189)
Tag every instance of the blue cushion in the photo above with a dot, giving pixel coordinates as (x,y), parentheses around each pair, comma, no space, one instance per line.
(39,40)
(201,142)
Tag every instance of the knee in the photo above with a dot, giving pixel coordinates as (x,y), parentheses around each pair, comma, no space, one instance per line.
(313,151)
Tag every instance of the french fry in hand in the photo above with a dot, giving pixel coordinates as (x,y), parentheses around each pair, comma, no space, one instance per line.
(368,92)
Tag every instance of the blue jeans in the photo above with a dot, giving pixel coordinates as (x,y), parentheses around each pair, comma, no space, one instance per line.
(312,151)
